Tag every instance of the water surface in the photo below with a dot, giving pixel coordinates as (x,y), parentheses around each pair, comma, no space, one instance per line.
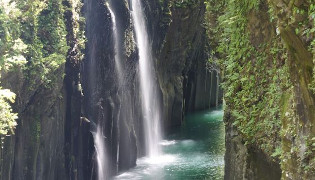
(193,151)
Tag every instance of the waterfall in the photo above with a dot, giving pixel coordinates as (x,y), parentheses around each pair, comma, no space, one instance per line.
(116,44)
(150,100)
(96,130)
(117,59)
(100,153)
(211,84)
(217,91)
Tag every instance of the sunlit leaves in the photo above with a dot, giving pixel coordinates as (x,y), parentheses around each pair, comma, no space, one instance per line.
(7,117)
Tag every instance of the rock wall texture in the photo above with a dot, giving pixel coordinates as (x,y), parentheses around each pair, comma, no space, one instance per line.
(53,139)
(179,46)
(266,52)
(37,149)
(117,108)
(298,102)
(246,162)
(180,64)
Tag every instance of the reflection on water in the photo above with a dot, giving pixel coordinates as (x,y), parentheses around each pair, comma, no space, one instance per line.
(194,151)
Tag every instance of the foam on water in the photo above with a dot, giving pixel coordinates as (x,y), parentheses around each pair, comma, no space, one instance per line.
(194,151)
(167,143)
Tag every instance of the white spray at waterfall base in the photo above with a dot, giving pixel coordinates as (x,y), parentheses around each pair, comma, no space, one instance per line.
(149,95)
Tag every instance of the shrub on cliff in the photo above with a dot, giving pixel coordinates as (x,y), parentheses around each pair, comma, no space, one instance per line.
(7,117)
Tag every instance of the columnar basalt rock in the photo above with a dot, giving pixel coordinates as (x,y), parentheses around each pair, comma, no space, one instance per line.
(179,49)
(53,139)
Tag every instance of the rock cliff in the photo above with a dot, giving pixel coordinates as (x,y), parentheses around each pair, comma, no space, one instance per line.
(266,52)
(58,107)
(180,61)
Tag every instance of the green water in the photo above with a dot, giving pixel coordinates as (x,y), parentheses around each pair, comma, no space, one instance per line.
(193,151)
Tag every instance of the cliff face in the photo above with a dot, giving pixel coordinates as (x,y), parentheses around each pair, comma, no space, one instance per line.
(179,61)
(266,50)
(179,46)
(296,26)
(179,64)
(59,107)
(114,107)
(37,149)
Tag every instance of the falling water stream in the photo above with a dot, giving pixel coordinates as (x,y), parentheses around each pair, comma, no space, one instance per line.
(150,103)
(99,139)
(194,151)
(96,129)
(116,44)
(100,150)
(217,89)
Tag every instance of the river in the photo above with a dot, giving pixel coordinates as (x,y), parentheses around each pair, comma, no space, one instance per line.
(193,151)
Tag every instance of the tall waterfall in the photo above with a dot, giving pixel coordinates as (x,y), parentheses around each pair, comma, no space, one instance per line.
(99,143)
(150,100)
(96,129)
(118,65)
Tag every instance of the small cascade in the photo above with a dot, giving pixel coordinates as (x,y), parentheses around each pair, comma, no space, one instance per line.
(210,91)
(96,129)
(116,44)
(117,57)
(218,89)
(150,100)
(99,144)
(119,69)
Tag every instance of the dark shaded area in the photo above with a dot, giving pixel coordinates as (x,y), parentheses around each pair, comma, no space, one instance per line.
(246,162)
(111,106)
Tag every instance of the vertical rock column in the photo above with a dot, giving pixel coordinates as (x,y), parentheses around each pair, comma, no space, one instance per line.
(77,131)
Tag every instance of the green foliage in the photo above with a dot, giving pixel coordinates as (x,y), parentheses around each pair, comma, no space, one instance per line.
(32,39)
(183,3)
(11,46)
(11,55)
(179,3)
(7,117)
(254,74)
(33,36)
(51,29)
(310,32)
(262,78)
(48,47)
(277,152)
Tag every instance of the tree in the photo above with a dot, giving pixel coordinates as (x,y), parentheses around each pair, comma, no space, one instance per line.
(7,117)
(11,54)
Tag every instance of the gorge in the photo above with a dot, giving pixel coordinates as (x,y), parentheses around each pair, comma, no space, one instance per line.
(136,89)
